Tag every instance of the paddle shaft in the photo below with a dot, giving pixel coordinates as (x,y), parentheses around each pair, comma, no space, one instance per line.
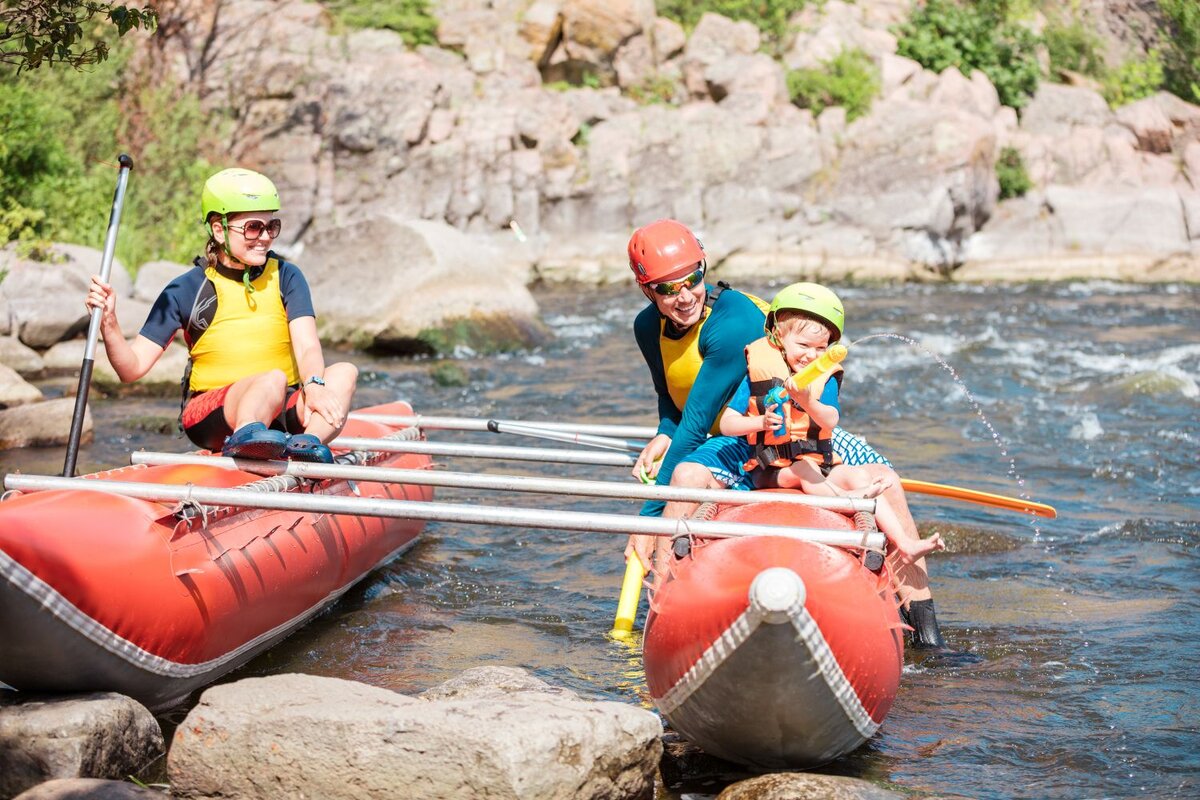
(480,424)
(440,512)
(504,483)
(89,352)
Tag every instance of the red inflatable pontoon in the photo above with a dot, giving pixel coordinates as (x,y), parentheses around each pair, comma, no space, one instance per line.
(104,592)
(772,652)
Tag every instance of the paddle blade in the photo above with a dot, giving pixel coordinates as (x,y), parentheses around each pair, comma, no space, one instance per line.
(631,594)
(982,498)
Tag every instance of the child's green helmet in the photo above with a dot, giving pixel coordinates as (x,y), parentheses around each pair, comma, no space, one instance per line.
(812,299)
(232,191)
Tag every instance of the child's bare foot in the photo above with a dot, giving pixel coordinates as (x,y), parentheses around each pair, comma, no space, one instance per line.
(910,550)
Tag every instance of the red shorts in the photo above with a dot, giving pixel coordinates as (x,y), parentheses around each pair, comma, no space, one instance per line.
(204,417)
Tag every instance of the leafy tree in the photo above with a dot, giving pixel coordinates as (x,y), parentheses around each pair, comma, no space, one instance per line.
(1010,172)
(1182,52)
(974,35)
(36,32)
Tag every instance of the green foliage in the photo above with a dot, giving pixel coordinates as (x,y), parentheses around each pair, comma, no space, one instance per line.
(849,79)
(1181,59)
(1134,79)
(60,133)
(1073,47)
(655,88)
(976,35)
(37,33)
(1010,171)
(412,19)
(771,16)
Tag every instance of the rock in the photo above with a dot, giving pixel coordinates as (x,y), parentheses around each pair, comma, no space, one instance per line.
(669,38)
(806,786)
(715,38)
(1056,109)
(592,30)
(894,72)
(44,424)
(98,735)
(417,286)
(161,381)
(14,391)
(153,276)
(750,87)
(24,360)
(1119,222)
(45,302)
(324,737)
(827,29)
(88,789)
(541,28)
(1151,126)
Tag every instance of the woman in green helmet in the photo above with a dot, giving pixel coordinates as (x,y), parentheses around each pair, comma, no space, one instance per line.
(257,385)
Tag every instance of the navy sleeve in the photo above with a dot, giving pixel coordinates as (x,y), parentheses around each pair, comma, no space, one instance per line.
(734,322)
(172,307)
(646,330)
(297,299)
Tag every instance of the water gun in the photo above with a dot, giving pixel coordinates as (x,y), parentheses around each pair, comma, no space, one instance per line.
(778,397)
(819,366)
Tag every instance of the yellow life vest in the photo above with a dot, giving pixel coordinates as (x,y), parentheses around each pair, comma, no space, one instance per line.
(247,335)
(681,358)
(767,369)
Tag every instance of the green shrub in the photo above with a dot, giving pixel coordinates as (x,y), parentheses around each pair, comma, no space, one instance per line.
(1010,171)
(771,16)
(1133,80)
(412,19)
(655,88)
(61,133)
(977,35)
(849,79)
(1181,59)
(1073,47)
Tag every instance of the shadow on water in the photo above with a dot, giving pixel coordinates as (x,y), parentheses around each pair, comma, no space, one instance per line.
(1085,625)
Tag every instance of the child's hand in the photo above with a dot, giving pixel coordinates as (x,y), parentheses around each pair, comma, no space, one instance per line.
(805,396)
(771,420)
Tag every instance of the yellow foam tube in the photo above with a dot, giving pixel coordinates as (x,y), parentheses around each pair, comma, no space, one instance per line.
(822,364)
(631,594)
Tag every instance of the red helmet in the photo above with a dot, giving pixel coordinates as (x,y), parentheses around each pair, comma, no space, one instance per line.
(661,248)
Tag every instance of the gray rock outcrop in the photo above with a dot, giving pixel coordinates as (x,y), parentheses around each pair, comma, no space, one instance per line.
(101,735)
(44,424)
(499,737)
(88,789)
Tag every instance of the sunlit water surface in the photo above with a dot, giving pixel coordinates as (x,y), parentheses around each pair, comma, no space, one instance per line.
(1086,625)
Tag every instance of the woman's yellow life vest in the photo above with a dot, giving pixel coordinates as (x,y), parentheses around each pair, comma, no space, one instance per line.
(767,369)
(681,358)
(246,335)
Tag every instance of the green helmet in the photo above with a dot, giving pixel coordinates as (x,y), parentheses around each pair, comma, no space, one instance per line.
(232,191)
(813,299)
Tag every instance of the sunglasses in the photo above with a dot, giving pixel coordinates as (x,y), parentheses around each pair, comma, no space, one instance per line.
(254,228)
(672,288)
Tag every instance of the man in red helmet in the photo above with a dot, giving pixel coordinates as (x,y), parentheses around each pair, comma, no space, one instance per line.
(693,338)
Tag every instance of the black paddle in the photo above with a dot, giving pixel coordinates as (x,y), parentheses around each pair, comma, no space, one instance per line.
(89,353)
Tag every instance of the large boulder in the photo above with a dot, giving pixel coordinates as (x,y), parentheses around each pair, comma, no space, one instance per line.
(417,286)
(88,789)
(101,735)
(44,424)
(801,786)
(14,391)
(25,360)
(161,381)
(500,736)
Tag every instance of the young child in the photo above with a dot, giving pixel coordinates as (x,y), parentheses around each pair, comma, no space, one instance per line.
(803,321)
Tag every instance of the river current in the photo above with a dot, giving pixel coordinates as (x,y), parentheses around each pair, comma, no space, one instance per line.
(1086,626)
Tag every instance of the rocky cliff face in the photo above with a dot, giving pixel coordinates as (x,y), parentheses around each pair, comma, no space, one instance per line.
(355,125)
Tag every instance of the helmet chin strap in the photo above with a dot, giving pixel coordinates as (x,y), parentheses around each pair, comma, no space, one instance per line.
(225,247)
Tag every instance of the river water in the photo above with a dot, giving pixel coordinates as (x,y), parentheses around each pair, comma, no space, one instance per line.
(1085,626)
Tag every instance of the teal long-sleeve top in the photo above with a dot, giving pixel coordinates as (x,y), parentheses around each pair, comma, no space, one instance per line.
(732,323)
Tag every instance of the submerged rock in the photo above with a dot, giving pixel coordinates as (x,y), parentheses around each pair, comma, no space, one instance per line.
(494,733)
(100,735)
(806,786)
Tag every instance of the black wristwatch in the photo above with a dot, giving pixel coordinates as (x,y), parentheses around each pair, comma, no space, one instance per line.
(315,379)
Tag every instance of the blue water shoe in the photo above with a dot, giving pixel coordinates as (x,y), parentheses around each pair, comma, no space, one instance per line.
(306,447)
(255,440)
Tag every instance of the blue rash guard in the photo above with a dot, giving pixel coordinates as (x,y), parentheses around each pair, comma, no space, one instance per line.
(733,322)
